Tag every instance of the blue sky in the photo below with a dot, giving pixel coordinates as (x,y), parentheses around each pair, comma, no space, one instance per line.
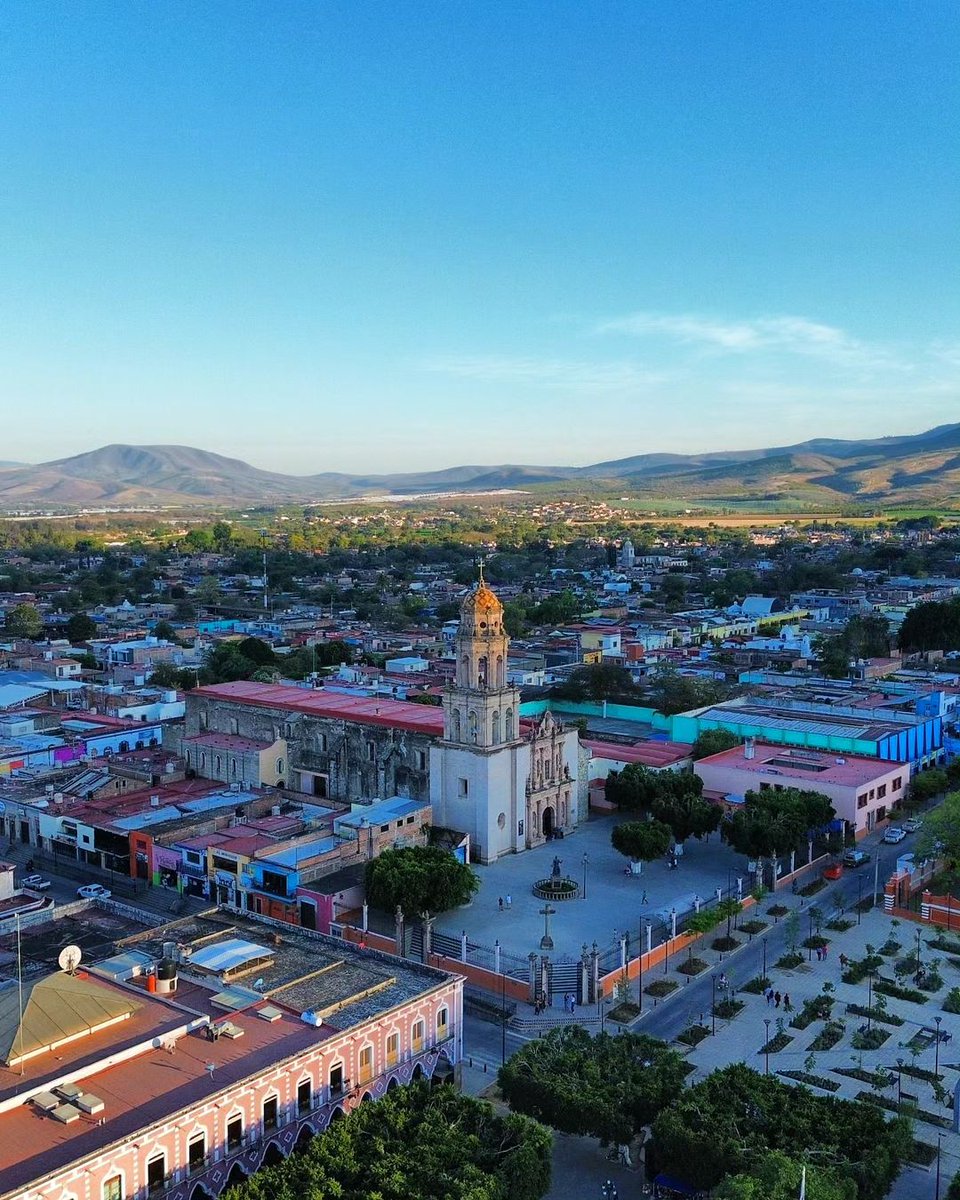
(374,236)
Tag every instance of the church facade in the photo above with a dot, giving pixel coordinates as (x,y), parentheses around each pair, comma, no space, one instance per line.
(507,781)
(510,785)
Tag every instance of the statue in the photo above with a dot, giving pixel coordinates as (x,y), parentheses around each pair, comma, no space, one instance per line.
(556,866)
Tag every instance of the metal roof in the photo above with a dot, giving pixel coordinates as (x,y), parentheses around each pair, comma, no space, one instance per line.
(230,954)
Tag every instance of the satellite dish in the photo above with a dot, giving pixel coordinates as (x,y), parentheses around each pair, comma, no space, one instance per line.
(69,958)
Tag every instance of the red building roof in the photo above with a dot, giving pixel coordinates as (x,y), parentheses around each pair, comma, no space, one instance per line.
(648,754)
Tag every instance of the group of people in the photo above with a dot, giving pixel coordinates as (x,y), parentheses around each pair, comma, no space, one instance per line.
(502,904)
(822,952)
(776,999)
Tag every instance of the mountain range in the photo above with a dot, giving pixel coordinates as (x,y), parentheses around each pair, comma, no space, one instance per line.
(919,468)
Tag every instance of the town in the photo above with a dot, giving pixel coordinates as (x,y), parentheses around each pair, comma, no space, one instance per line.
(286,827)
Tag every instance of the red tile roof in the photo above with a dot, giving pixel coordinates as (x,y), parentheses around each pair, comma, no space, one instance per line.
(648,754)
(366,710)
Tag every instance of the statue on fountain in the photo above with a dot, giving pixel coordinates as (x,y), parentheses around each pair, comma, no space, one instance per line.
(557,863)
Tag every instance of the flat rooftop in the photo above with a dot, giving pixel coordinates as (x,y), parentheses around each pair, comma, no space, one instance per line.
(648,754)
(808,767)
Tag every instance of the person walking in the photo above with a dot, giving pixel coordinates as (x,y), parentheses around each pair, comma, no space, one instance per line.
(787,1006)
(500,903)
(777,998)
(825,945)
(819,954)
(509,901)
(643,898)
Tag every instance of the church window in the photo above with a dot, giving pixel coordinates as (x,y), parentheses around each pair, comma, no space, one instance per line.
(499,679)
(508,727)
(482,671)
(502,821)
(462,787)
(474,727)
(371,751)
(496,728)
(456,732)
(218,764)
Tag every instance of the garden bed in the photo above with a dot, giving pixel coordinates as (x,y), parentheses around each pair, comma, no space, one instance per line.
(661,988)
(828,1037)
(816,941)
(753,926)
(878,1014)
(692,966)
(777,910)
(723,944)
(623,1012)
(814,886)
(859,968)
(869,1039)
(756,986)
(951,945)
(817,1009)
(693,1035)
(818,1081)
(728,1009)
(920,1073)
(841,925)
(922,1152)
(908,1109)
(874,1078)
(778,1042)
(889,947)
(887,987)
(789,961)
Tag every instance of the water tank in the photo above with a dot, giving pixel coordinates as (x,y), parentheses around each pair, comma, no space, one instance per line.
(166,976)
(169,949)
(275,811)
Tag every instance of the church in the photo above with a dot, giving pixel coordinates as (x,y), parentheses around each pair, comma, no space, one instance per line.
(508,781)
(509,784)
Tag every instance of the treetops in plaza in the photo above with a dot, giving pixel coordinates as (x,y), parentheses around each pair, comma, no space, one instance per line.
(673,798)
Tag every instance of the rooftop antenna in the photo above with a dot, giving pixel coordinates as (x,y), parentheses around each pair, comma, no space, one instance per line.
(263,545)
(211,1067)
(69,959)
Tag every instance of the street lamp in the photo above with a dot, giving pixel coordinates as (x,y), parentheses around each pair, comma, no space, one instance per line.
(810,947)
(640,970)
(859,898)
(936,1194)
(936,1052)
(713,1002)
(869,998)
(764,958)
(899,1082)
(586,859)
(919,968)
(503,1018)
(766,1047)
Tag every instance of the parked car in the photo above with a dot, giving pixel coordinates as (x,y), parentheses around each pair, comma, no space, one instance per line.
(912,824)
(894,834)
(855,858)
(36,882)
(94,891)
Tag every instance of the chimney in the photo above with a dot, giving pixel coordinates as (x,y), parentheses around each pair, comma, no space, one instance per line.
(749,749)
(154,801)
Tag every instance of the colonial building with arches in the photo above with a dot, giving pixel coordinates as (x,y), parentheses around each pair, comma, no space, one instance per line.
(203,1050)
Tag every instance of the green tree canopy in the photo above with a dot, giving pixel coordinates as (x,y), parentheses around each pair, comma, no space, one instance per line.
(940,833)
(725,1125)
(777,1177)
(714,741)
(597,682)
(687,813)
(24,621)
(80,628)
(643,841)
(862,637)
(772,822)
(931,626)
(608,1087)
(414,1143)
(670,692)
(419,879)
(165,632)
(257,651)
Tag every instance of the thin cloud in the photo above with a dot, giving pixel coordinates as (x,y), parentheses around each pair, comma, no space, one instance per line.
(776,334)
(547,372)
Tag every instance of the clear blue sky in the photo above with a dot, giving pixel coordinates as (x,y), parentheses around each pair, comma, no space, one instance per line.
(385,236)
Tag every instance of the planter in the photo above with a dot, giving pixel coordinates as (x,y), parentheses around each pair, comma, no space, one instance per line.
(556,889)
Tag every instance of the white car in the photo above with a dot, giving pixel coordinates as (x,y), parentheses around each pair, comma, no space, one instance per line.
(894,834)
(36,883)
(94,891)
(912,824)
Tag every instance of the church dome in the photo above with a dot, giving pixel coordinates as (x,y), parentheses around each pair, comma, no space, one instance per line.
(481,610)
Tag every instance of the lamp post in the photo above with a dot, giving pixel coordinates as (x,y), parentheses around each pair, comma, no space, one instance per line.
(764,957)
(640,969)
(936,1051)
(899,1082)
(919,968)
(713,1002)
(869,999)
(586,859)
(810,947)
(936,1193)
(859,898)
(503,1019)
(766,1047)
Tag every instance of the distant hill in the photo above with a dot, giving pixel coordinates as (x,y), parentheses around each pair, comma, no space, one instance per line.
(921,468)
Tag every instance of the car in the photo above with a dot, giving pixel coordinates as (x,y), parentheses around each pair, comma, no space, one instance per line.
(912,824)
(94,891)
(36,882)
(855,858)
(894,834)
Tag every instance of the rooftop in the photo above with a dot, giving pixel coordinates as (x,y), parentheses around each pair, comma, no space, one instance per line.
(806,766)
(648,754)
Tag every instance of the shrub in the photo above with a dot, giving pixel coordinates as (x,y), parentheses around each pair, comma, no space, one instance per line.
(886,988)
(778,1042)
(869,1039)
(727,1009)
(725,943)
(820,1081)
(828,1037)
(662,987)
(777,910)
(951,1002)
(789,961)
(693,1035)
(816,1009)
(692,966)
(753,926)
(760,984)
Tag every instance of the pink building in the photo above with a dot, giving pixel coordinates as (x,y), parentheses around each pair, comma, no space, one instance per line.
(863,790)
(204,1050)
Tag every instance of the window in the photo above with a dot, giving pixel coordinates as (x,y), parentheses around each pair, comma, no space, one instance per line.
(410,820)
(219,764)
(371,751)
(233,768)
(385,828)
(196,1153)
(235,1132)
(881,791)
(279,766)
(421,760)
(417,1037)
(203,718)
(271,1113)
(192,857)
(203,762)
(336,1079)
(234,725)
(322,742)
(304,1096)
(463,787)
(365,1065)
(861,802)
(113,1188)
(393,1049)
(156,1173)
(897,784)
(442,1018)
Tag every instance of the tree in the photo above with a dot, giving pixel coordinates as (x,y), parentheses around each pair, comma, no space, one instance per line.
(777,1177)
(80,628)
(714,741)
(414,1142)
(257,651)
(670,692)
(772,822)
(165,632)
(931,626)
(419,879)
(687,813)
(24,621)
(940,833)
(608,1087)
(862,637)
(928,784)
(598,682)
(207,591)
(224,663)
(643,841)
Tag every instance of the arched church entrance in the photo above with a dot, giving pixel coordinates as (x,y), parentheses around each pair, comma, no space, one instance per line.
(547,822)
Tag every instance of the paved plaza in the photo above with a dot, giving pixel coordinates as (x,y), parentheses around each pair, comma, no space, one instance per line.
(614,901)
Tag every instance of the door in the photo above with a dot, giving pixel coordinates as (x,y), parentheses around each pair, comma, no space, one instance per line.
(547,823)
(308,914)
